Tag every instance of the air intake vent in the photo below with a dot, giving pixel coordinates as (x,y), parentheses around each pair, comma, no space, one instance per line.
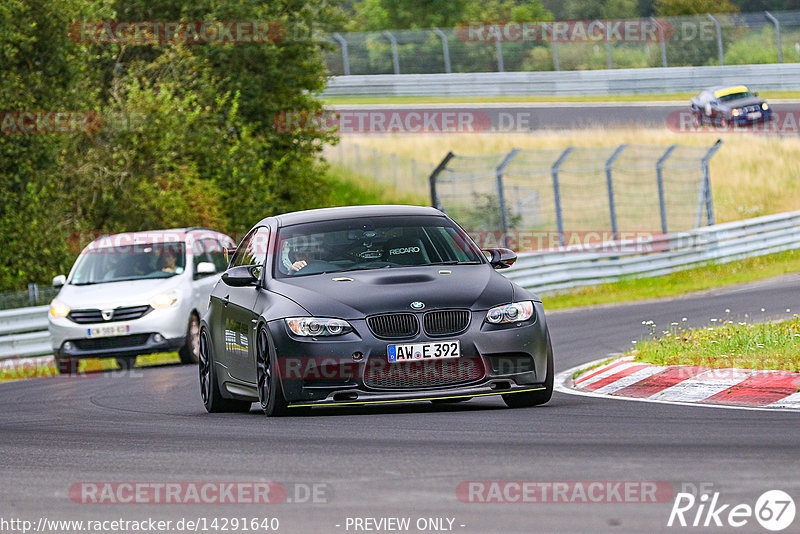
(119,314)
(394,325)
(445,322)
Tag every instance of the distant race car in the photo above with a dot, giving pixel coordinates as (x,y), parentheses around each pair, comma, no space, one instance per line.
(726,105)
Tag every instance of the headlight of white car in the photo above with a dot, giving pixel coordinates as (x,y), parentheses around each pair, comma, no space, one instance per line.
(317,326)
(510,313)
(164,300)
(58,309)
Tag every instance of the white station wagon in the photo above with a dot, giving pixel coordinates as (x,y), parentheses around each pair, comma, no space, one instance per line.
(136,293)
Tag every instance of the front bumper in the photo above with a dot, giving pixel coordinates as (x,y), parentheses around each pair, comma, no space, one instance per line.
(162,330)
(353,369)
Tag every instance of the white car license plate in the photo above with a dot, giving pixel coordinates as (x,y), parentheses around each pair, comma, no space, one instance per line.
(106,331)
(436,350)
(754,115)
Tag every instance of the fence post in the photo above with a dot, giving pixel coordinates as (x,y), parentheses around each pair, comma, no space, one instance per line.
(445,49)
(33,293)
(557,194)
(432,180)
(777,24)
(345,54)
(499,50)
(660,179)
(394,171)
(501,194)
(612,207)
(376,164)
(719,39)
(609,57)
(709,202)
(662,41)
(395,55)
(554,48)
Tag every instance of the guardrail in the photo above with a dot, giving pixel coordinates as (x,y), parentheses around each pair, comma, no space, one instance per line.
(775,77)
(23,332)
(551,271)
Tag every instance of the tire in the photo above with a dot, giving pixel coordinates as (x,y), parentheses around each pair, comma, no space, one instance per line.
(209,385)
(66,365)
(535,398)
(270,394)
(190,351)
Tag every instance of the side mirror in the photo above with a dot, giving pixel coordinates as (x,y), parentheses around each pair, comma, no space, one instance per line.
(500,258)
(241,276)
(59,281)
(205,268)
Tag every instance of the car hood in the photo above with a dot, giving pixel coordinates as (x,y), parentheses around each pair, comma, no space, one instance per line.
(742,102)
(115,294)
(477,287)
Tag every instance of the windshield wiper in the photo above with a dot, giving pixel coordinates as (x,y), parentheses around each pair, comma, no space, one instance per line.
(454,262)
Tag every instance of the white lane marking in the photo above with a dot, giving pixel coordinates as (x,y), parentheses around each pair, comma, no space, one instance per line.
(604,374)
(702,386)
(625,381)
(792,401)
(563,381)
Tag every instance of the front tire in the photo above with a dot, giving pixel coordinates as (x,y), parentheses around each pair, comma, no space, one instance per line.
(209,384)
(190,351)
(535,398)
(270,393)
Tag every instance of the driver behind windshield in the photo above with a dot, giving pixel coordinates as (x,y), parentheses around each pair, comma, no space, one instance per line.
(302,256)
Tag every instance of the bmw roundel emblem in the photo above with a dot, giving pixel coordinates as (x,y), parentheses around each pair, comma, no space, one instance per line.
(417,305)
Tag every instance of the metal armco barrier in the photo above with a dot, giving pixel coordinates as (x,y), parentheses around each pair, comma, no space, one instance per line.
(23,332)
(550,271)
(660,80)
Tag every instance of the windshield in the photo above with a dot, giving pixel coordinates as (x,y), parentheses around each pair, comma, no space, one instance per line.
(129,262)
(371,243)
(735,96)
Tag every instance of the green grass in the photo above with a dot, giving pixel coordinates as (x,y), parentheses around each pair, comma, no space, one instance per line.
(351,189)
(679,283)
(579,372)
(733,344)
(680,97)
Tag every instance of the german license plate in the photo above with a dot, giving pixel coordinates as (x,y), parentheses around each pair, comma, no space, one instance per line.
(754,115)
(106,331)
(436,350)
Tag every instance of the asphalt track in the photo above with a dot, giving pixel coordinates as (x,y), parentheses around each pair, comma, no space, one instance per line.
(539,116)
(404,461)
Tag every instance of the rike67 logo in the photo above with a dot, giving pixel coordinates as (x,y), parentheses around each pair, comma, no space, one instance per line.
(774,510)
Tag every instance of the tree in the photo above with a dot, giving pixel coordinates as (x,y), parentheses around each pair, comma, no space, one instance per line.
(673,8)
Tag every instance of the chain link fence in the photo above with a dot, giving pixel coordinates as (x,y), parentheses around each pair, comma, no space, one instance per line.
(719,39)
(34,296)
(627,188)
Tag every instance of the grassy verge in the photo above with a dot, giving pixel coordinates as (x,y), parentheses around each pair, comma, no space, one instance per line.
(677,97)
(732,344)
(696,279)
(45,367)
(350,189)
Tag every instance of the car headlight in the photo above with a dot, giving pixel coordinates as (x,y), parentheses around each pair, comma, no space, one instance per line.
(164,300)
(317,326)
(764,106)
(736,112)
(58,309)
(510,313)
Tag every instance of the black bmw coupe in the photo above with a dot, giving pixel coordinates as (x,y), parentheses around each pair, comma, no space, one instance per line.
(369,305)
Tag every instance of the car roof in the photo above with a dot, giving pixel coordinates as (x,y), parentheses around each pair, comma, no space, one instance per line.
(731,88)
(349,212)
(170,235)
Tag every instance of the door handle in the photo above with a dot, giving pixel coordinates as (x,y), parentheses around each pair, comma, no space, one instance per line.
(226,300)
